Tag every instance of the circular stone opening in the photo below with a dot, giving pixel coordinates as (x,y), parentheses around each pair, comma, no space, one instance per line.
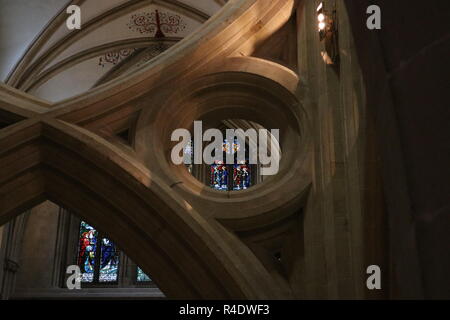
(211,99)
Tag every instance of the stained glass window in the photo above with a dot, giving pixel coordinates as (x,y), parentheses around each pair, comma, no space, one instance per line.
(142,276)
(98,257)
(225,176)
(109,261)
(189,154)
(219,176)
(231,176)
(228,148)
(87,251)
(241,176)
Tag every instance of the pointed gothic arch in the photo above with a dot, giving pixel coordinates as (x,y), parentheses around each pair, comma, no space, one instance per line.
(164,235)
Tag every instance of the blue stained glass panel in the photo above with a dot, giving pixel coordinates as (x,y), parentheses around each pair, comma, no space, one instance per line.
(142,276)
(109,265)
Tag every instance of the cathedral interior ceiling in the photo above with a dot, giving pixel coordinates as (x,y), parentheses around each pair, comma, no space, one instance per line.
(62,151)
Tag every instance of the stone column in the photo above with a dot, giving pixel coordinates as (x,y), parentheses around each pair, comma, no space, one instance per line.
(12,241)
(334,262)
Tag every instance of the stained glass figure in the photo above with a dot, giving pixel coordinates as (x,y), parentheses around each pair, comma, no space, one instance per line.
(219,176)
(87,251)
(98,257)
(109,265)
(228,148)
(241,176)
(142,276)
(231,176)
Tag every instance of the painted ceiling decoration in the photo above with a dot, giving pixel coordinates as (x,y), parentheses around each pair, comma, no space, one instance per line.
(115,57)
(135,60)
(157,23)
(116,37)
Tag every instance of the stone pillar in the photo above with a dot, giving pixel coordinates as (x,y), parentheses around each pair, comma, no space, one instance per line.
(2,258)
(38,262)
(12,241)
(334,261)
(407,81)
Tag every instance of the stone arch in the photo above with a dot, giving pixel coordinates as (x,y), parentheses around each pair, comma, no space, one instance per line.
(49,157)
(85,174)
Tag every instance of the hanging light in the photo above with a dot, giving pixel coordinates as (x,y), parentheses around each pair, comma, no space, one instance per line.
(322,19)
(327,28)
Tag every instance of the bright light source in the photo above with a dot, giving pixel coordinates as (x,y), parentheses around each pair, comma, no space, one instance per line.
(320,7)
(321,17)
(322,26)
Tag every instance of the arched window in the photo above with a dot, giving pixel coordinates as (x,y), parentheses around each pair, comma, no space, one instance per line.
(233,176)
(242,176)
(219,176)
(100,260)
(98,257)
(223,176)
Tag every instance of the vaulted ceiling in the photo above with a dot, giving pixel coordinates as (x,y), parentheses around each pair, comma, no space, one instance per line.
(41,56)
(67,152)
